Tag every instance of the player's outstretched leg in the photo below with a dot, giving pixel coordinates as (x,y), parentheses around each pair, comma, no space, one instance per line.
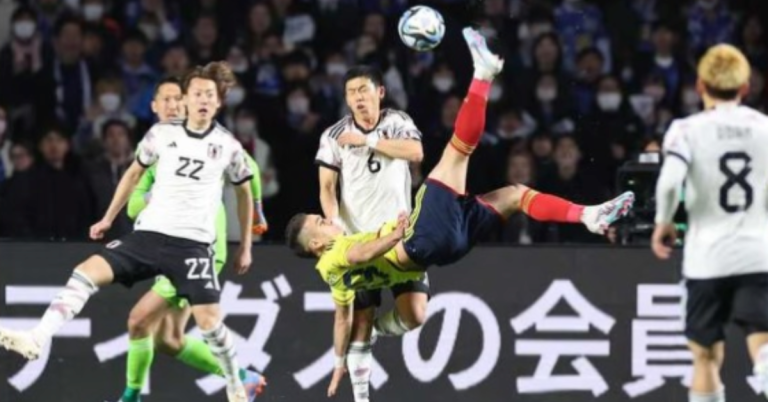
(84,283)
(451,170)
(551,208)
(220,340)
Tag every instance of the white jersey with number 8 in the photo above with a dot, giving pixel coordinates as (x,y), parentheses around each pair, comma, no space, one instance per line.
(726,190)
(374,188)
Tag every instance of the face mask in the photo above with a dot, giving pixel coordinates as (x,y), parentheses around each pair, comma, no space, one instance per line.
(496,93)
(149,30)
(335,69)
(707,4)
(239,68)
(299,106)
(245,126)
(24,29)
(93,12)
(609,102)
(664,61)
(235,96)
(546,94)
(655,91)
(110,102)
(442,84)
(73,4)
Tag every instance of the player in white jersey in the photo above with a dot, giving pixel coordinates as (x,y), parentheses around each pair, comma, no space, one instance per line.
(173,235)
(721,155)
(368,153)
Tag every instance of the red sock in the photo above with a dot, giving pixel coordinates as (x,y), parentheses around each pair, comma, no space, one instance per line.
(470,121)
(549,208)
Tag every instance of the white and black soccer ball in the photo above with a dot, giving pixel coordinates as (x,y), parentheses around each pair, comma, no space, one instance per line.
(421,28)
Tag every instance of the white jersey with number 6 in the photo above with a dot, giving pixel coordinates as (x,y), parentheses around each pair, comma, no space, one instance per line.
(187,192)
(374,188)
(726,190)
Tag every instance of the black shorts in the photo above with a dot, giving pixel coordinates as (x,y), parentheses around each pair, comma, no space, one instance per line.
(187,264)
(713,303)
(446,225)
(372,298)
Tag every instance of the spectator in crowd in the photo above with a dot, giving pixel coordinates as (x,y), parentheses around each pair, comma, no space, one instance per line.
(238,62)
(95,14)
(542,144)
(163,12)
(569,181)
(300,116)
(206,45)
(690,100)
(98,52)
(105,172)
(258,26)
(69,77)
(21,68)
(108,104)
(514,125)
(664,62)
(48,13)
(138,77)
(610,133)
(247,132)
(518,228)
(51,200)
(756,97)
(753,41)
(330,86)
(432,94)
(709,22)
(580,25)
(589,68)
(236,98)
(551,106)
(175,60)
(22,158)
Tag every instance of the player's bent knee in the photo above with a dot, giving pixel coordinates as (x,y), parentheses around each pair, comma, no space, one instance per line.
(97,269)
(139,323)
(207,316)
(706,354)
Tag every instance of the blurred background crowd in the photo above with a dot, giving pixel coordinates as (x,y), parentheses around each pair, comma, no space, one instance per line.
(587,86)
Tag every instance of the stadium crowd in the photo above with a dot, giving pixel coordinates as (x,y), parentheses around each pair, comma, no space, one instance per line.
(587,85)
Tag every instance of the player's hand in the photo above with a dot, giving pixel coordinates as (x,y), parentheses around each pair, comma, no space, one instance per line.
(243,261)
(260,225)
(99,228)
(664,237)
(352,139)
(338,374)
(402,224)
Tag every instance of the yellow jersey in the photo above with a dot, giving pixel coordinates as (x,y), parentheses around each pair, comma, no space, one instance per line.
(345,278)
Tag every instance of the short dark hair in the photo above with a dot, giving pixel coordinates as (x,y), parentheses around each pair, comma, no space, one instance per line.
(168,79)
(722,94)
(293,231)
(216,71)
(68,20)
(115,122)
(363,71)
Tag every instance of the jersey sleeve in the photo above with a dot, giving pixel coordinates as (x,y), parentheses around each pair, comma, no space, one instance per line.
(676,142)
(239,170)
(138,200)
(405,128)
(332,262)
(147,150)
(256,179)
(328,152)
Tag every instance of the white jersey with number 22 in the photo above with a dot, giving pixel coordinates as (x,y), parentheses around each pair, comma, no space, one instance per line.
(726,190)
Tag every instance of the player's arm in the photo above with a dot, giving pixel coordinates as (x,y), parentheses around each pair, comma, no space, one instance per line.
(244,211)
(673,172)
(408,149)
(404,142)
(240,175)
(328,159)
(342,330)
(140,195)
(362,253)
(260,221)
(124,189)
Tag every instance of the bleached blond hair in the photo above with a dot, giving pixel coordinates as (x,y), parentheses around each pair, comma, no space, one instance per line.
(724,68)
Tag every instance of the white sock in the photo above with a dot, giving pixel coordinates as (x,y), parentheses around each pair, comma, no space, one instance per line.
(64,307)
(219,339)
(390,324)
(359,360)
(717,396)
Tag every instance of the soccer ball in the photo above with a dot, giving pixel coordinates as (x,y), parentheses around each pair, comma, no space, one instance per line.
(421,28)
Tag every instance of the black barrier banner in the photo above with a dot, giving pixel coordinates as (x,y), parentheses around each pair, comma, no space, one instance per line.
(522,324)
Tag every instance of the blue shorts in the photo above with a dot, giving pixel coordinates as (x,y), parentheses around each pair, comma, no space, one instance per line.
(446,225)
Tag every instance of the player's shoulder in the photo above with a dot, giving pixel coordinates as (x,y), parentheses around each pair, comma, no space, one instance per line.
(173,125)
(389,114)
(335,130)
(222,135)
(753,116)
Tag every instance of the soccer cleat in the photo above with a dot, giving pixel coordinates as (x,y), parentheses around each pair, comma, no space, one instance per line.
(254,384)
(598,218)
(21,342)
(237,394)
(487,65)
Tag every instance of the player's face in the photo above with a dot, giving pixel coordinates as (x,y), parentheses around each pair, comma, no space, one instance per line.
(202,99)
(320,230)
(363,97)
(167,103)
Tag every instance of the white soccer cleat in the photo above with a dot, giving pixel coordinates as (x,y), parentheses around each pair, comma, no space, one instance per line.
(598,218)
(487,65)
(21,342)
(237,394)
